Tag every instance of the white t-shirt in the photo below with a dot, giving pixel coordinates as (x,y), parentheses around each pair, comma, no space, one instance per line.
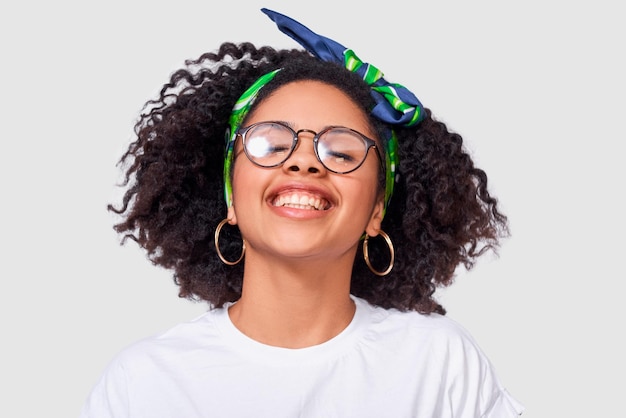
(386,363)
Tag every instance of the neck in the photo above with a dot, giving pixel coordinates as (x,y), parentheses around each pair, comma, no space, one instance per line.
(293,305)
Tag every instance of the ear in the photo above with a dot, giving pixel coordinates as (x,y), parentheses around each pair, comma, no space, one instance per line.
(376,219)
(231,215)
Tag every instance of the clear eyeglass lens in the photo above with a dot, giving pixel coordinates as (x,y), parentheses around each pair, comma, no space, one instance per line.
(339,149)
(269,144)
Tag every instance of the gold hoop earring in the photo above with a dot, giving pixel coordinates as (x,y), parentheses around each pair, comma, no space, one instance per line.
(392,253)
(217,247)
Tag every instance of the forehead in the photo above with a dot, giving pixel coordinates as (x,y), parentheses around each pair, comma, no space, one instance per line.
(312,105)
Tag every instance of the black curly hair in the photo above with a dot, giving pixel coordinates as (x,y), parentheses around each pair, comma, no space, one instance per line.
(440,216)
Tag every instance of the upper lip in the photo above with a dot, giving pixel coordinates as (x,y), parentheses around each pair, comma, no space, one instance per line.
(303,189)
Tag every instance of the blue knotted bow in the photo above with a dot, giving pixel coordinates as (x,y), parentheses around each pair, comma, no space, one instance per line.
(395,104)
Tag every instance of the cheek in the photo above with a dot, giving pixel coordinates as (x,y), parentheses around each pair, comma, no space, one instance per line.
(240,181)
(374,178)
(364,190)
(247,181)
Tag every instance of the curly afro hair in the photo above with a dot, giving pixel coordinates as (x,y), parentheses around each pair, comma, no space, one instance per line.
(441,215)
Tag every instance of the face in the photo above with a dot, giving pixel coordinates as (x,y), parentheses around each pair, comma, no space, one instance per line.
(300,209)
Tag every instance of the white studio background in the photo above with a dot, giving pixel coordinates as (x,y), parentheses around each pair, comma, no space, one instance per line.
(536,88)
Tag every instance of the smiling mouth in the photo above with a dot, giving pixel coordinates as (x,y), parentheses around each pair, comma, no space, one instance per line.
(301,200)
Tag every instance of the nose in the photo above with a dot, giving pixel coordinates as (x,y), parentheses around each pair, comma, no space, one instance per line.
(303,158)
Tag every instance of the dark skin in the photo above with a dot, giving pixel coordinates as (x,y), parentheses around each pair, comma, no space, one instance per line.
(298,261)
(440,216)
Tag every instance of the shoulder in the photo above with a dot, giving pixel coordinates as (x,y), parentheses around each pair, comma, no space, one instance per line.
(441,355)
(434,342)
(433,328)
(149,366)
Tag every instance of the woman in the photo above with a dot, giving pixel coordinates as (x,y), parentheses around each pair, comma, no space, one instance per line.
(347,205)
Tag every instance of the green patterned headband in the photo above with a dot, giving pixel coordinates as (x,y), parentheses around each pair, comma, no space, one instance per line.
(238,114)
(395,104)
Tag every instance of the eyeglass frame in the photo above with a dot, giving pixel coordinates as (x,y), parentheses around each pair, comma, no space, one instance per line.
(370,143)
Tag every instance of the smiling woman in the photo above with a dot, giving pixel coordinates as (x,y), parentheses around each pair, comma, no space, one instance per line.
(278,235)
(329,178)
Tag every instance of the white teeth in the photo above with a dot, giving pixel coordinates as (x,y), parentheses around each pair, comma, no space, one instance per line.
(300,201)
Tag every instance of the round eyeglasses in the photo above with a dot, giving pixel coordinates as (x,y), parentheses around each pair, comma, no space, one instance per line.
(341,150)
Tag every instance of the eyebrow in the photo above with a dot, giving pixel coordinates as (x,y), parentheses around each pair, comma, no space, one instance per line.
(284,122)
(292,125)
